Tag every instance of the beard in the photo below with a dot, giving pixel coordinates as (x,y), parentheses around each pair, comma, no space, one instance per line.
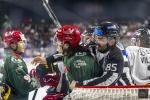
(103,49)
(67,51)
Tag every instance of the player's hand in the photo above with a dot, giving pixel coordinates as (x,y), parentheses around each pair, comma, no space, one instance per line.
(33,73)
(39,60)
(73,85)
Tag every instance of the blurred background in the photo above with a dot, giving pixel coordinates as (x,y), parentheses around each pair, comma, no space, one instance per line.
(31,18)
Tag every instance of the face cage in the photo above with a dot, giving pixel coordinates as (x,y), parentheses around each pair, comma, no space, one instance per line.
(145,42)
(86,41)
(135,41)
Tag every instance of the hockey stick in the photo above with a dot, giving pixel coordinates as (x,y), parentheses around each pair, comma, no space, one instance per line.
(57,23)
(51,13)
(34,95)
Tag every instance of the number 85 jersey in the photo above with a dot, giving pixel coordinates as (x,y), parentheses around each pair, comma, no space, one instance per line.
(139,61)
(112,63)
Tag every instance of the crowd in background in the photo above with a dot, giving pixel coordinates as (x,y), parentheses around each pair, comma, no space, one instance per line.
(40,35)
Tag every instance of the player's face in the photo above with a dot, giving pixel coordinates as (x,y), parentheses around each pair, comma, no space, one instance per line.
(101,42)
(104,43)
(21,46)
(65,49)
(59,46)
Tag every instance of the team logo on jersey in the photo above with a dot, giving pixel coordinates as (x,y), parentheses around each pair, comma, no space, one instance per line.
(80,54)
(69,31)
(79,63)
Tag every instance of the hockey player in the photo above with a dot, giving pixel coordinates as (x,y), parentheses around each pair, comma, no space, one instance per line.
(51,73)
(139,57)
(79,63)
(88,41)
(87,36)
(16,72)
(109,55)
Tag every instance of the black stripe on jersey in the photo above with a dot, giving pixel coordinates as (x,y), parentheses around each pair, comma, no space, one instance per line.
(100,80)
(125,79)
(119,83)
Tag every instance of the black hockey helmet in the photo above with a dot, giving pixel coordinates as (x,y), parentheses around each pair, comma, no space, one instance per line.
(89,31)
(108,29)
(142,34)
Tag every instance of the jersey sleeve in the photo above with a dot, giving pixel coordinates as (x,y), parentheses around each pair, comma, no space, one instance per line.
(52,61)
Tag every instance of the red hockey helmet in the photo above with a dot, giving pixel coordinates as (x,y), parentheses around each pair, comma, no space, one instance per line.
(13,36)
(69,33)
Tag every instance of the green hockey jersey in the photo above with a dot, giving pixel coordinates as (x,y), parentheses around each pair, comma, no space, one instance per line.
(81,66)
(16,76)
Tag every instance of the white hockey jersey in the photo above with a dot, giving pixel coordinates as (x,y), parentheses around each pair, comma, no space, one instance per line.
(139,61)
